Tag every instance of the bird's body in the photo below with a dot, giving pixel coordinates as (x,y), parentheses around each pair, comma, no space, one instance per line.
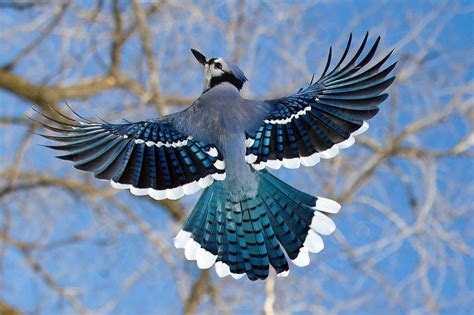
(221,116)
(246,219)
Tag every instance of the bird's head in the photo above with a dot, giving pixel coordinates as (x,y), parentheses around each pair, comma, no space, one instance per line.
(219,70)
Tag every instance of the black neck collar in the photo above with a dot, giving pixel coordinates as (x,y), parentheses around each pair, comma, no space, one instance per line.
(226,77)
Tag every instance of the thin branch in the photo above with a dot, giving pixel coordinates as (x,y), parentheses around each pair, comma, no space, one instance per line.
(269,295)
(46,32)
(147,43)
(197,292)
(49,95)
(49,280)
(117,39)
(7,309)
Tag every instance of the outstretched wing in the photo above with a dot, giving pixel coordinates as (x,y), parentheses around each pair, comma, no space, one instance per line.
(148,157)
(323,118)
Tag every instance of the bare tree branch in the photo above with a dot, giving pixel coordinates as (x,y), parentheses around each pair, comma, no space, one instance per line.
(150,57)
(197,292)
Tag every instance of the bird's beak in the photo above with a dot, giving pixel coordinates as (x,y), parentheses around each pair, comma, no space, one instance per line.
(200,57)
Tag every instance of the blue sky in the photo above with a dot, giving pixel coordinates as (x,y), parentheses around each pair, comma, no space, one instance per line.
(117,248)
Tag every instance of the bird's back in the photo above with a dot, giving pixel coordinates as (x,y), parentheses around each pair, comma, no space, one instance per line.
(221,116)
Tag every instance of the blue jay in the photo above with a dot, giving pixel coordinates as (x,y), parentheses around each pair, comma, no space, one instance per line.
(246,218)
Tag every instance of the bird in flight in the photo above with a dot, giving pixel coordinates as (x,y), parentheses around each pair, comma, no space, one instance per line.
(246,219)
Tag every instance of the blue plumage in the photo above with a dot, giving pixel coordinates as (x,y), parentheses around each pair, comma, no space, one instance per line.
(246,219)
(246,232)
(236,72)
(325,114)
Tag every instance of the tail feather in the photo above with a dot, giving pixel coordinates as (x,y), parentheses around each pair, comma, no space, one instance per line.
(237,216)
(245,234)
(210,233)
(223,252)
(275,253)
(227,249)
(290,191)
(254,237)
(293,215)
(285,235)
(236,259)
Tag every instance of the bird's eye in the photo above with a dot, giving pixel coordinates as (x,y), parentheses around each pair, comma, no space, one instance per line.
(218,65)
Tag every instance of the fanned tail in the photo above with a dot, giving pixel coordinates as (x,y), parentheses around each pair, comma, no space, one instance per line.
(245,234)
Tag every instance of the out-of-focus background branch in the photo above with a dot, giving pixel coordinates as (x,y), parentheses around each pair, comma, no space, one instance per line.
(71,244)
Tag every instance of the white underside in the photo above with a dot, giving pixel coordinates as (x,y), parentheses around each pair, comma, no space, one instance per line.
(320,224)
(305,160)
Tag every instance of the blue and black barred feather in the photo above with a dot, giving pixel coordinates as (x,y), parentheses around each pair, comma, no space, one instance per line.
(317,121)
(147,157)
(245,235)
